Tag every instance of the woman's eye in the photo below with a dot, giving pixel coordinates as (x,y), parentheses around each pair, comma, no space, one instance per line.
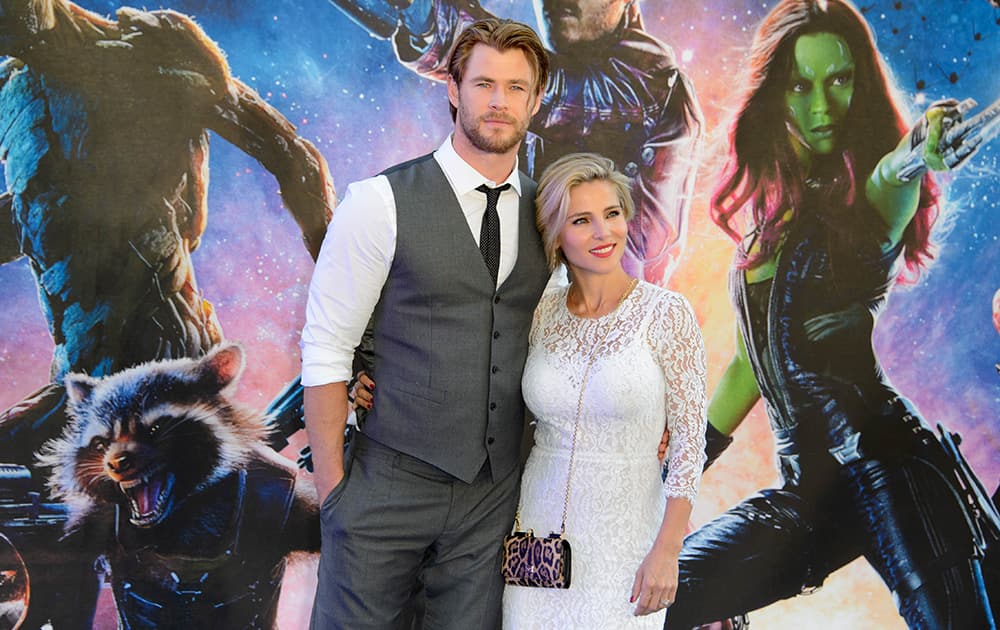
(99,444)
(799,87)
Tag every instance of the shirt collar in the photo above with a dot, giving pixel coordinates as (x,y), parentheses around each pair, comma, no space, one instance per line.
(463,177)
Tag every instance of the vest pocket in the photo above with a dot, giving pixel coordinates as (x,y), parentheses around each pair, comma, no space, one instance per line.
(429,394)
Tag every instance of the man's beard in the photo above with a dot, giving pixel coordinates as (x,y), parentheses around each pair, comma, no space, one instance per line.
(496,143)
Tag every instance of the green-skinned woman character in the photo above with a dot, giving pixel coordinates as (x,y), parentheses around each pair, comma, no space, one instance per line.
(819,166)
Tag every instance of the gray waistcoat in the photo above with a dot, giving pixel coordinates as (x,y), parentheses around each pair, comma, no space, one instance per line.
(449,351)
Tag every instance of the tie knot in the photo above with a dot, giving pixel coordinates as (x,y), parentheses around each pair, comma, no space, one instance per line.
(492,193)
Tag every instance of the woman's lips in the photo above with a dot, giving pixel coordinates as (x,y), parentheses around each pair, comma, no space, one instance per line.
(603,251)
(823,130)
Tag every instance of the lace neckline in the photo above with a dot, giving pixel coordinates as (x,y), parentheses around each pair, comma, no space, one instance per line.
(626,297)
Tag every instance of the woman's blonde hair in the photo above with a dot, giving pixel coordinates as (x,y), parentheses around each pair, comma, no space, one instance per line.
(552,199)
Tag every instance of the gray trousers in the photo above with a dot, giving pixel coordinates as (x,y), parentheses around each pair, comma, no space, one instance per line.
(395,520)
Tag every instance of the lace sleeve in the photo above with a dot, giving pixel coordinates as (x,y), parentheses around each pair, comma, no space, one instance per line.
(549,301)
(535,318)
(680,349)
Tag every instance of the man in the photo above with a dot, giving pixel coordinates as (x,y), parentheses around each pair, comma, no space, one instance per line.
(451,271)
(614,89)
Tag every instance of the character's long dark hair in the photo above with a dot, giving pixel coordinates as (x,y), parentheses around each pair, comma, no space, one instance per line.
(762,174)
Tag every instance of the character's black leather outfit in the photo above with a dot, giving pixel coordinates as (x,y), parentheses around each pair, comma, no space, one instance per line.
(209,565)
(862,474)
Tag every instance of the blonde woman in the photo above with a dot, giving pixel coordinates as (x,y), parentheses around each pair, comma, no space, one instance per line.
(612,362)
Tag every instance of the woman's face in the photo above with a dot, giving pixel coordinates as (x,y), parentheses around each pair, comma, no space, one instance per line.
(818,94)
(593,237)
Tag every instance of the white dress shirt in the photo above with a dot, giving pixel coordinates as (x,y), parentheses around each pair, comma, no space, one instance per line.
(357,254)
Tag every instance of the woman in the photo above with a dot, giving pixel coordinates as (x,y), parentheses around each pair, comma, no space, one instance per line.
(635,352)
(814,164)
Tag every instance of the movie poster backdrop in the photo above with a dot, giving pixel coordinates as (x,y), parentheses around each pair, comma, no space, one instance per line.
(348,97)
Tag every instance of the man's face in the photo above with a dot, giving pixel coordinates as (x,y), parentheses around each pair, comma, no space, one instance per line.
(495,101)
(571,22)
(819,92)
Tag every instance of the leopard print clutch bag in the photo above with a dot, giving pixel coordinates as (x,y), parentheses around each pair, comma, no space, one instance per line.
(532,561)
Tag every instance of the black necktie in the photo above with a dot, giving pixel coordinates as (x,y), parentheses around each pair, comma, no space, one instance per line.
(489,233)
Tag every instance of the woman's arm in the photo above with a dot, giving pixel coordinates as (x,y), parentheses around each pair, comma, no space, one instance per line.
(896,199)
(736,393)
(655,584)
(681,355)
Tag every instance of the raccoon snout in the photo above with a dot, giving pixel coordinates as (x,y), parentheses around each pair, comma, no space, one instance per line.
(120,463)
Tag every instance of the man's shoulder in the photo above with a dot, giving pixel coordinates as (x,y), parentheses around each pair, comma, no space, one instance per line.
(528,185)
(403,166)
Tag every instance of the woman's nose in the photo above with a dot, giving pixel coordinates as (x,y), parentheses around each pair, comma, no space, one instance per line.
(820,102)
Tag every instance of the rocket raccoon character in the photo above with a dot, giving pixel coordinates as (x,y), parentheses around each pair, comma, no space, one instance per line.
(172,482)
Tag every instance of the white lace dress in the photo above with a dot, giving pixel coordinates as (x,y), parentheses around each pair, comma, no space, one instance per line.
(649,369)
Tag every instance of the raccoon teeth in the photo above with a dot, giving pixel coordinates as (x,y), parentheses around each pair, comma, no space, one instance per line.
(160,508)
(140,480)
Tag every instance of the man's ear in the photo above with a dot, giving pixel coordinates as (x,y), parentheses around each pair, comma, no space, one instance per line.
(453,92)
(538,101)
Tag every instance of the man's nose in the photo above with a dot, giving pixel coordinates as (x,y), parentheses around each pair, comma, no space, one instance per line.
(498,99)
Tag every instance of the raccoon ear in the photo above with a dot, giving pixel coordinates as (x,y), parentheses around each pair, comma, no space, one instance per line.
(222,366)
(79,387)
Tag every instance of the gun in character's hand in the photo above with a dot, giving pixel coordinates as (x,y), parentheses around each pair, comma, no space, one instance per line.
(960,139)
(285,417)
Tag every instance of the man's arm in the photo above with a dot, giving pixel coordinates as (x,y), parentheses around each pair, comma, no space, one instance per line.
(427,55)
(326,419)
(350,272)
(422,31)
(667,163)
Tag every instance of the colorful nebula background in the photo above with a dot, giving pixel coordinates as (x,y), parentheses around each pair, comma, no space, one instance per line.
(346,93)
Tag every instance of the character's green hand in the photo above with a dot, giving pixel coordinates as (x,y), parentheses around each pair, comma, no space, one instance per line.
(935,118)
(942,141)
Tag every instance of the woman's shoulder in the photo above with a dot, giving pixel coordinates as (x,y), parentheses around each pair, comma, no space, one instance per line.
(552,299)
(663,298)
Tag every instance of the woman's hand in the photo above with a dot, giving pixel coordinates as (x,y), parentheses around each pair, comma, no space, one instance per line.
(655,584)
(661,449)
(363,391)
(939,141)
